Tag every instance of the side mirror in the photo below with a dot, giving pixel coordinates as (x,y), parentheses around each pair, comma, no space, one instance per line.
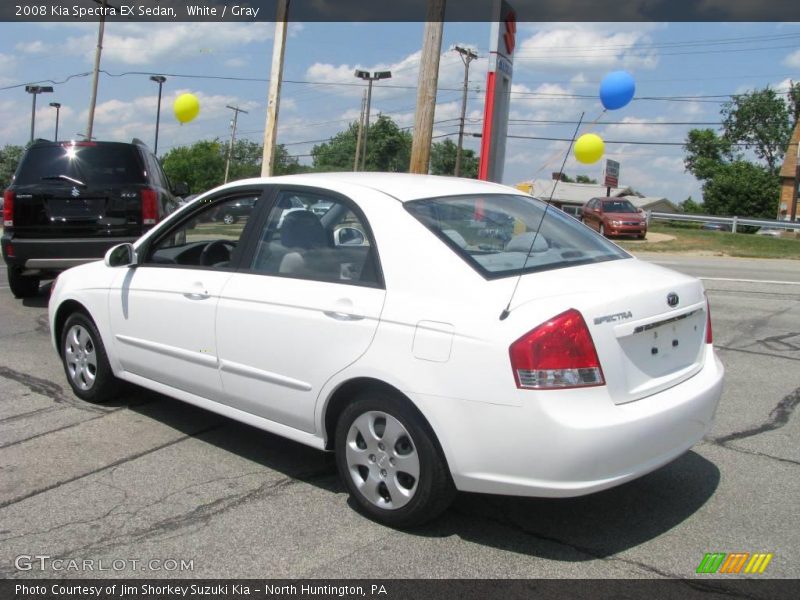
(121,255)
(348,236)
(180,189)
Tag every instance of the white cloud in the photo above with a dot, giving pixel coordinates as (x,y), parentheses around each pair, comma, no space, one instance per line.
(575,46)
(32,47)
(636,128)
(793,60)
(147,43)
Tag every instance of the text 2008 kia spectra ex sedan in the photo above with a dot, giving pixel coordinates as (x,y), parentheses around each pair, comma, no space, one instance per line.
(438,334)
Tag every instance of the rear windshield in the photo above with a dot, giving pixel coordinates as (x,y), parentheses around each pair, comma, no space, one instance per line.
(102,164)
(618,206)
(497,234)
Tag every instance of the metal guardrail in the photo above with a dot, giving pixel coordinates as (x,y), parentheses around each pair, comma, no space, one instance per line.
(734,222)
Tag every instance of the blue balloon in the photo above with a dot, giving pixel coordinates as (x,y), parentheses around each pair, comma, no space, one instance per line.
(617,89)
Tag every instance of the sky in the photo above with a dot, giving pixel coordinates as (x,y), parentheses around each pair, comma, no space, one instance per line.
(690,67)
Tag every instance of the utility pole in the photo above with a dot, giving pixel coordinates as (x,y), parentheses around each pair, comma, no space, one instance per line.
(236,110)
(57,106)
(427,87)
(96,71)
(360,130)
(467,56)
(275,78)
(159,79)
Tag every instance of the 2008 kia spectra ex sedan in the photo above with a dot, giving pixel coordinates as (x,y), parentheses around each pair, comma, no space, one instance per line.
(438,334)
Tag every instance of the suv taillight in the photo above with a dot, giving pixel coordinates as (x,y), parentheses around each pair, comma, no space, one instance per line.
(8,208)
(558,354)
(149,207)
(709,333)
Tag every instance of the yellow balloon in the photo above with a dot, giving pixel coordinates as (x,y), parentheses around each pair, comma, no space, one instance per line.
(186,107)
(589,148)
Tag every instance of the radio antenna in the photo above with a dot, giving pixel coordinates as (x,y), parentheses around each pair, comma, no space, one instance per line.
(507,309)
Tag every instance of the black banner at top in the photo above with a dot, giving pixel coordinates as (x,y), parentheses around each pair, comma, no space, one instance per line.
(394,10)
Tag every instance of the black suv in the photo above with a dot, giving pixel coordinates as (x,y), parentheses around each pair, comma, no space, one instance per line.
(69,202)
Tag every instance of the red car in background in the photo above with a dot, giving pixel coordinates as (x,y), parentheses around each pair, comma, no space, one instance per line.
(614,216)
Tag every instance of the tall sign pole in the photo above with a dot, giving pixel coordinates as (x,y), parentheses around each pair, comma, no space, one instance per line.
(426,88)
(273,103)
(498,92)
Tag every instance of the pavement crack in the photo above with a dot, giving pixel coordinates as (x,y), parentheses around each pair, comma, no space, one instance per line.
(778,417)
(46,388)
(116,463)
(768,354)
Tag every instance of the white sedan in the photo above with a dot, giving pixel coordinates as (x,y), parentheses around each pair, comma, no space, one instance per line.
(437,334)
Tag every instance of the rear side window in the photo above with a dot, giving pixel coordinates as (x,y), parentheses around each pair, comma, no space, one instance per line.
(92,164)
(497,234)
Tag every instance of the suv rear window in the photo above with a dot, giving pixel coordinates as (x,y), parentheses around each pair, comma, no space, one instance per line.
(496,234)
(92,164)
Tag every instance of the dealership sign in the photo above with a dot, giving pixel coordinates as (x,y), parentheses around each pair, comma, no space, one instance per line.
(612,173)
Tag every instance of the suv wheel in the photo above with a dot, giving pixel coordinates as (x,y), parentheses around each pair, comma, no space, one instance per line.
(85,361)
(22,286)
(228,219)
(389,462)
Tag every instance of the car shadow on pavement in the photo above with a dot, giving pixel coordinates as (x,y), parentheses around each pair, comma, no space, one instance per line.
(567,529)
(588,527)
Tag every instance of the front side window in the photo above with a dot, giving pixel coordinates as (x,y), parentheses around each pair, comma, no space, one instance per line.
(502,235)
(301,241)
(209,239)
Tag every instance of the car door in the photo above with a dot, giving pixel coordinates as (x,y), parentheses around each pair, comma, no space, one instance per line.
(306,306)
(162,311)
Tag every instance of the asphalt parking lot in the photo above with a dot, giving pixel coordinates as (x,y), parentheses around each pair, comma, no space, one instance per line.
(148,478)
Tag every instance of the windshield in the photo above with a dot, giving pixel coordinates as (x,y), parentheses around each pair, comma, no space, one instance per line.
(496,234)
(618,206)
(89,164)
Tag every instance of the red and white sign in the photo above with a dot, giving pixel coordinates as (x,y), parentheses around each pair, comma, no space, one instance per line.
(612,173)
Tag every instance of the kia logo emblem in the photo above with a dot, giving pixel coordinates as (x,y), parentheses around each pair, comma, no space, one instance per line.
(672,299)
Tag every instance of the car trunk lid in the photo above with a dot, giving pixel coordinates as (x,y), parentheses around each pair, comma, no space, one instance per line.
(648,323)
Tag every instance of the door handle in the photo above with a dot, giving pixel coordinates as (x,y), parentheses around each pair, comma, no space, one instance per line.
(197,292)
(343,310)
(342,316)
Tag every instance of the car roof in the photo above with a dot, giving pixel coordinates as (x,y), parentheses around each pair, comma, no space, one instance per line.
(402,186)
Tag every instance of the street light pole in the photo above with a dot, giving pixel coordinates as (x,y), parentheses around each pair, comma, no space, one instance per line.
(57,106)
(467,56)
(369,78)
(35,90)
(159,79)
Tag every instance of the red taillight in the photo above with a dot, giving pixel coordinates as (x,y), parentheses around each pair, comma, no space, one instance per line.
(8,208)
(149,207)
(558,354)
(709,333)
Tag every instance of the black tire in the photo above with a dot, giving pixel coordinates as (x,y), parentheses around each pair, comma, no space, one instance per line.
(431,492)
(86,362)
(228,219)
(641,236)
(22,286)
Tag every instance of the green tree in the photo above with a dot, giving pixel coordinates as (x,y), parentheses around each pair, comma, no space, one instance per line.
(761,121)
(443,160)
(705,152)
(9,159)
(584,179)
(691,207)
(201,165)
(744,189)
(388,148)
(245,160)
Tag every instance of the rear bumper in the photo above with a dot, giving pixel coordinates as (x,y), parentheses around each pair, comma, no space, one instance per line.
(55,255)
(573,442)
